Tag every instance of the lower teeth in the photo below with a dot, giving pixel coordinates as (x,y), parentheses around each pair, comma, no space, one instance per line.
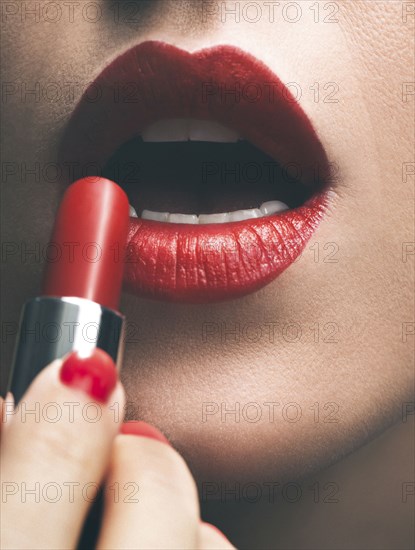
(266,209)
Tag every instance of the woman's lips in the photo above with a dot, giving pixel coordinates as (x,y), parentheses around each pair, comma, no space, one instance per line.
(153,81)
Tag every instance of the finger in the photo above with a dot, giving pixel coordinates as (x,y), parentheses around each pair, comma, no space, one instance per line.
(1,413)
(7,411)
(164,510)
(56,449)
(210,538)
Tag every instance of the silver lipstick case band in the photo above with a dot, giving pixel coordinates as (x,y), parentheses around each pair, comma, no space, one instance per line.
(52,327)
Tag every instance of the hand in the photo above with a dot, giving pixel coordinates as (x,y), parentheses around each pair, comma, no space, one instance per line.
(59,445)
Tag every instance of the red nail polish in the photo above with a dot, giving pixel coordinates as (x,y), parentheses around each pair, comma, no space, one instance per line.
(96,374)
(136,427)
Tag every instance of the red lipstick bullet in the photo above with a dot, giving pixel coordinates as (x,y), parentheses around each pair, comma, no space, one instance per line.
(77,309)
(90,230)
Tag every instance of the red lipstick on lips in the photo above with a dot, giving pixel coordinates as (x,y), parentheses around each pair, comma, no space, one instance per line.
(77,309)
(154,81)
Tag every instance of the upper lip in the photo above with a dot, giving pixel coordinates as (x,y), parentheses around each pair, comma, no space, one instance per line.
(155,80)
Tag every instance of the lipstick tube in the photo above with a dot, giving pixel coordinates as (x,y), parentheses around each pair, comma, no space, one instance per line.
(52,327)
(77,309)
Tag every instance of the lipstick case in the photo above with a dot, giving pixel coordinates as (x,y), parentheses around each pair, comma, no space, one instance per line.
(52,327)
(77,308)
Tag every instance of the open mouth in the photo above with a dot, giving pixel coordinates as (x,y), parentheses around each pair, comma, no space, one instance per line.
(226,177)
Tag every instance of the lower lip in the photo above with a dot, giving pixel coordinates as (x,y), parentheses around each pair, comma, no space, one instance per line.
(205,263)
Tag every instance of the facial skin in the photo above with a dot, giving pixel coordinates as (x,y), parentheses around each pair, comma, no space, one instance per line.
(349,302)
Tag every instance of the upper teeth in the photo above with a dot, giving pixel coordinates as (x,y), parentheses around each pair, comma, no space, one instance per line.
(182,129)
(266,209)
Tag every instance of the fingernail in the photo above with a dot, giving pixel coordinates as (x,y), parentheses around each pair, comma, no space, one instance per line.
(96,374)
(138,427)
